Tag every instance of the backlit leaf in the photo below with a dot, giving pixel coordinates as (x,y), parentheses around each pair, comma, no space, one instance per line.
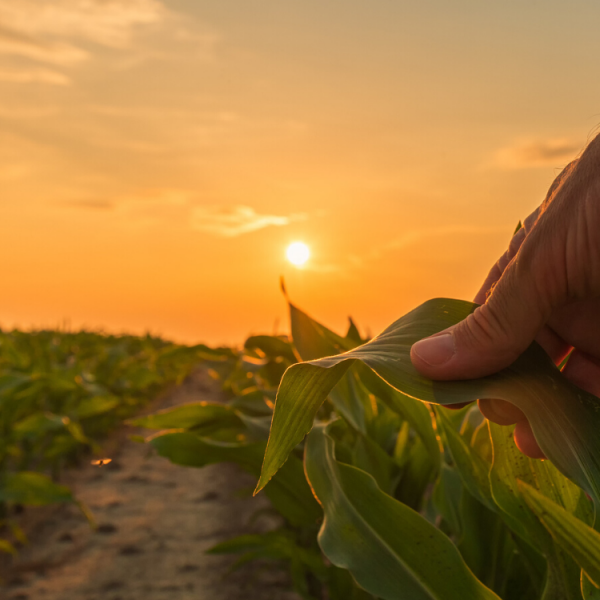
(564,418)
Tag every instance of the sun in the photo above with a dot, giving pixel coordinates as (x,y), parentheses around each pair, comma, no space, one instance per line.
(298,253)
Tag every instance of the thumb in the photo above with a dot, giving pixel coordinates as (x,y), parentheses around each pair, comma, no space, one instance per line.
(494,335)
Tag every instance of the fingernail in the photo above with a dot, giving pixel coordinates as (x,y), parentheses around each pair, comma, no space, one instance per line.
(435,351)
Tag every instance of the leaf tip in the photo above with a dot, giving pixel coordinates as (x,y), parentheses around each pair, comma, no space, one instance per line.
(262,482)
(283,288)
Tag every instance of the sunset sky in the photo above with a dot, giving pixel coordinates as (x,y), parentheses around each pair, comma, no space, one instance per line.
(157,158)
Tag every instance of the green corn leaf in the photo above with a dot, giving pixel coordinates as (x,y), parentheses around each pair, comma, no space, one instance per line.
(189,416)
(418,473)
(572,535)
(402,445)
(564,418)
(313,340)
(485,520)
(341,586)
(39,424)
(351,402)
(97,405)
(277,544)
(490,551)
(272,346)
(33,489)
(510,467)
(589,591)
(447,495)
(415,412)
(379,539)
(371,458)
(473,469)
(353,335)
(254,401)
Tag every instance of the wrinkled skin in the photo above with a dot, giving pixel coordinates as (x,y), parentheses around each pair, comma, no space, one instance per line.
(545,287)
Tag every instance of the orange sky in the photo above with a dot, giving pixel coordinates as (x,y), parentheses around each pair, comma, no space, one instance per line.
(156,158)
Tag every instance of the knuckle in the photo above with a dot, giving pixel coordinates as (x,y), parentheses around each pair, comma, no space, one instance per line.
(485,329)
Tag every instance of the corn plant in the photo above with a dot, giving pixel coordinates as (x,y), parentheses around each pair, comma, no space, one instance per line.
(60,392)
(399,498)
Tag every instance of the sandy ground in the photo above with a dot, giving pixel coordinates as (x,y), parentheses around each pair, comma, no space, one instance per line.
(155,521)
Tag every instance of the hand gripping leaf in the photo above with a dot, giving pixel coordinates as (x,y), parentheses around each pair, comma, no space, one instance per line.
(564,418)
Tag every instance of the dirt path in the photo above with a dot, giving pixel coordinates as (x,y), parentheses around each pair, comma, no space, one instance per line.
(155,522)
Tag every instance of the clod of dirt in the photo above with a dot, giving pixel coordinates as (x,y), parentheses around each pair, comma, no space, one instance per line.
(106,528)
(130,550)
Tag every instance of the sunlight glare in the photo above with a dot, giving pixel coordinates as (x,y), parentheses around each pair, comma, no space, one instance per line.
(298,253)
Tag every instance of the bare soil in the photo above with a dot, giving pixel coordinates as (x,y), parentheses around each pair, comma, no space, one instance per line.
(155,522)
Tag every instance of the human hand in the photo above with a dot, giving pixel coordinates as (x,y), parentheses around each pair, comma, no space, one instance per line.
(545,287)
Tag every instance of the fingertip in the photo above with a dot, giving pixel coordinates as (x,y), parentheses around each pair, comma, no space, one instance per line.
(500,411)
(434,351)
(525,440)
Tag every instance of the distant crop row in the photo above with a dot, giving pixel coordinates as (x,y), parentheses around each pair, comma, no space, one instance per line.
(60,393)
(392,496)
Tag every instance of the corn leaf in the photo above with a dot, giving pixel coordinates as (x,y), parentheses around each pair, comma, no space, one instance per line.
(378,539)
(33,489)
(472,468)
(312,340)
(189,416)
(415,412)
(564,418)
(271,346)
(572,535)
(510,467)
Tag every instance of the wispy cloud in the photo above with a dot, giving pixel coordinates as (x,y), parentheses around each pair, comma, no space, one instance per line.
(64,32)
(109,23)
(19,44)
(533,153)
(237,220)
(417,236)
(34,75)
(70,33)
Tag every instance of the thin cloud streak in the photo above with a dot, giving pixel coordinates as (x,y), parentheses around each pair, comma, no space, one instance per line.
(535,153)
(354,262)
(238,220)
(107,23)
(47,32)
(34,76)
(414,237)
(60,53)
